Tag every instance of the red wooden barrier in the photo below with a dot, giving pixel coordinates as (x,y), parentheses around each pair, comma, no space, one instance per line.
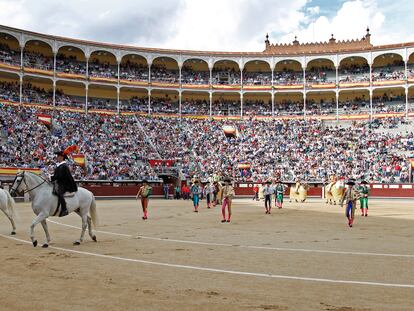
(377,190)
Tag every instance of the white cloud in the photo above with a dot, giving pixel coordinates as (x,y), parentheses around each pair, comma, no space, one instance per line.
(233,24)
(98,20)
(388,21)
(349,22)
(182,24)
(228,25)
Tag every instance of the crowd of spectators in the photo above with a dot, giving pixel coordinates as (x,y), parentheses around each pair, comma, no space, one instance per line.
(392,71)
(102,69)
(164,105)
(70,64)
(226,76)
(320,75)
(195,107)
(131,71)
(257,107)
(410,69)
(115,147)
(321,107)
(119,147)
(288,77)
(355,106)
(388,73)
(37,61)
(191,76)
(160,73)
(170,105)
(102,103)
(224,107)
(69,101)
(294,149)
(289,107)
(134,104)
(9,56)
(257,78)
(353,73)
(9,91)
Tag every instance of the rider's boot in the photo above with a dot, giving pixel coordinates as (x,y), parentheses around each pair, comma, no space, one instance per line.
(63,209)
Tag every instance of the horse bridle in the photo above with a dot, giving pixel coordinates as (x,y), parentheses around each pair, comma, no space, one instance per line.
(24,180)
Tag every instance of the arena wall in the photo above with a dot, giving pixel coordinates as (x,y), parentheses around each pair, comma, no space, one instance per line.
(246,190)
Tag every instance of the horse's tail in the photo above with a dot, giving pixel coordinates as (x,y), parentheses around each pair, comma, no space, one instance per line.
(92,211)
(11,206)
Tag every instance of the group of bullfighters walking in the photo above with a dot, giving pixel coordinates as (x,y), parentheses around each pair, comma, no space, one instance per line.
(217,192)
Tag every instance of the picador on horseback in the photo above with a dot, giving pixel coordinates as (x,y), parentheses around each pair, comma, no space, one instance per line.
(62,181)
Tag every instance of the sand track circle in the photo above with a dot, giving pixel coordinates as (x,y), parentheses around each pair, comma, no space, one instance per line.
(178,259)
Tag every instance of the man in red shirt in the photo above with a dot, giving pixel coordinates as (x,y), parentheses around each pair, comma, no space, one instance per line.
(256,192)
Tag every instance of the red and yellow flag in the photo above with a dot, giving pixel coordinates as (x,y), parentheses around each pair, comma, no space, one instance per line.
(244,165)
(79,159)
(10,171)
(46,119)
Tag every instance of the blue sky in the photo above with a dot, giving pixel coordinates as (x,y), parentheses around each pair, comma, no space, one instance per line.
(327,7)
(230,25)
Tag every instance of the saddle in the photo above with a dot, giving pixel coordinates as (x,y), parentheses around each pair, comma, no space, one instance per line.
(61,199)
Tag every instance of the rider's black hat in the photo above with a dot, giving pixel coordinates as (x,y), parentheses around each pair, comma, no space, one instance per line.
(62,154)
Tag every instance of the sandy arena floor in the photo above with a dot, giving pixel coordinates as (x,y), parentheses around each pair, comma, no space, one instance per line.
(302,257)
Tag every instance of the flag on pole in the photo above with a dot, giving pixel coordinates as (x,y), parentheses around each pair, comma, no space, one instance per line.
(45,119)
(79,159)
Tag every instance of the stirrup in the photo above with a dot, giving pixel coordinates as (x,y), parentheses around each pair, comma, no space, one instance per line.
(63,212)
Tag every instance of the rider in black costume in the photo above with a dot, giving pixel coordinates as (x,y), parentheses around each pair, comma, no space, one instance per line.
(63,181)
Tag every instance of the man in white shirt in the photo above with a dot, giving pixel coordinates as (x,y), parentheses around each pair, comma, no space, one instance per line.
(267,192)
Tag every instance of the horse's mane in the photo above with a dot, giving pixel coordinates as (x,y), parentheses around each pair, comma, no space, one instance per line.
(39,177)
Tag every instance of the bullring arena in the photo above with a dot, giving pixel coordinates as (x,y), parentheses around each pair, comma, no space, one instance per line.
(311,114)
(301,257)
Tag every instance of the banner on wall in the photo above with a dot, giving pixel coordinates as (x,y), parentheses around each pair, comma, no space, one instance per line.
(229,131)
(157,162)
(11,171)
(243,166)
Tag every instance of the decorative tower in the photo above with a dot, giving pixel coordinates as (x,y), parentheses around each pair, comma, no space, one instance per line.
(368,36)
(295,42)
(267,42)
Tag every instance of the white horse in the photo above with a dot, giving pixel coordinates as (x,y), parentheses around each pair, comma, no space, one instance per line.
(44,204)
(8,208)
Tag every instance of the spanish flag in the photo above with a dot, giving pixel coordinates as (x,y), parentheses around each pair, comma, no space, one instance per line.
(79,159)
(244,165)
(45,119)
